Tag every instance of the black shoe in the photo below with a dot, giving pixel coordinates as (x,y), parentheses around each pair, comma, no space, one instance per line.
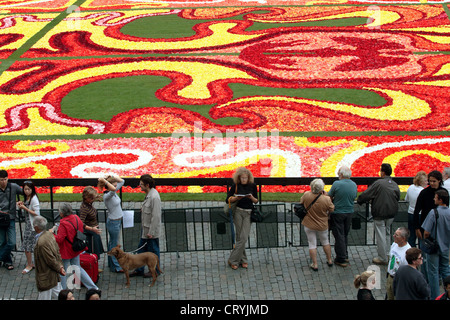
(136,274)
(341,264)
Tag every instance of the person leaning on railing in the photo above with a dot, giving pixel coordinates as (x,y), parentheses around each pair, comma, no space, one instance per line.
(243,191)
(88,215)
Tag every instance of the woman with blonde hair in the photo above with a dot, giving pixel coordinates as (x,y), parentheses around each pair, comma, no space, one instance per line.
(244,192)
(365,282)
(420,182)
(315,222)
(109,187)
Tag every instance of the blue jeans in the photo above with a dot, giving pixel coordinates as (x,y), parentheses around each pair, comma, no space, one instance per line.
(113,227)
(424,266)
(437,266)
(7,241)
(85,279)
(149,245)
(412,231)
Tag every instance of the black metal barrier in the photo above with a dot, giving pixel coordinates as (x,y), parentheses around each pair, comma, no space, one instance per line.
(224,182)
(208,228)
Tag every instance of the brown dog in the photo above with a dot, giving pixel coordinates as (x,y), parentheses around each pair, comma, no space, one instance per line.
(132,261)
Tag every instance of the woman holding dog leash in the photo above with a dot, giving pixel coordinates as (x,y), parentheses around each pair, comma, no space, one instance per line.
(244,193)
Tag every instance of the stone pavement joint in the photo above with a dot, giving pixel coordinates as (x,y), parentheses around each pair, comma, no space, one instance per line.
(273,274)
(205,275)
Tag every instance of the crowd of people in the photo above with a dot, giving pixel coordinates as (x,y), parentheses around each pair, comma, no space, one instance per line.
(412,271)
(51,252)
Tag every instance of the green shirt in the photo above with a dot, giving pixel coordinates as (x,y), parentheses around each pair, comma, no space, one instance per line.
(343,192)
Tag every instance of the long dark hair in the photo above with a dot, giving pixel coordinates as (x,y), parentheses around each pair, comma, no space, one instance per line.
(30,185)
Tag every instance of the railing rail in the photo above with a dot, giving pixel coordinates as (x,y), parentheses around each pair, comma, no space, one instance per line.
(208,228)
(224,182)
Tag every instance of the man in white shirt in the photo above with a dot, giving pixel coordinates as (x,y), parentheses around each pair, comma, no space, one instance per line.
(396,258)
(446,178)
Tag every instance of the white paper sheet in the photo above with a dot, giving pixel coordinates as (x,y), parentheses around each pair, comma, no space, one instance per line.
(128,218)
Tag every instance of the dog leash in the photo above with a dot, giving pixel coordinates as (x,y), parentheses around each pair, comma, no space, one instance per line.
(138,248)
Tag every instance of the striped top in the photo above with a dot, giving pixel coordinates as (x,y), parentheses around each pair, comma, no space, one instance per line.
(88,214)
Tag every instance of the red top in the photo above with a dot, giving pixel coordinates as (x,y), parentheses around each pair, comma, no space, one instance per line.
(67,231)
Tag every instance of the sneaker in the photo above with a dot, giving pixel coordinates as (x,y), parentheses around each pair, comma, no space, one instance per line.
(341,264)
(379,261)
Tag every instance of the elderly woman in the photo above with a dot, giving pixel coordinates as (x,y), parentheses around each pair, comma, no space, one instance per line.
(88,215)
(315,222)
(244,192)
(69,224)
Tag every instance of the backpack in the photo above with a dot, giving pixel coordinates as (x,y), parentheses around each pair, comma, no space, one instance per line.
(79,242)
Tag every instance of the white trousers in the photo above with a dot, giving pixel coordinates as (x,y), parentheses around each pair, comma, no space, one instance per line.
(48,294)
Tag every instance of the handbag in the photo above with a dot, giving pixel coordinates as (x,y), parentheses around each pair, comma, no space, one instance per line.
(430,245)
(300,210)
(79,242)
(256,215)
(5,219)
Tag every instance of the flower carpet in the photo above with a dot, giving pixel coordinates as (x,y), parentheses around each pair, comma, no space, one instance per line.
(198,88)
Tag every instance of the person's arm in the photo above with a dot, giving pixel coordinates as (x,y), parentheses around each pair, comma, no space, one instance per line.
(61,236)
(416,214)
(429,224)
(254,195)
(368,194)
(230,194)
(156,218)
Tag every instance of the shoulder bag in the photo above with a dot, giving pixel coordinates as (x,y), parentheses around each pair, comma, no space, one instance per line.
(5,218)
(300,210)
(256,215)
(430,245)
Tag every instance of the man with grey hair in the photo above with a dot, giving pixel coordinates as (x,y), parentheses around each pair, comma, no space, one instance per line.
(397,258)
(48,262)
(343,193)
(446,178)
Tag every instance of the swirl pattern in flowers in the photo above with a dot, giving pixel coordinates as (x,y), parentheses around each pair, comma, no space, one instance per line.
(373,80)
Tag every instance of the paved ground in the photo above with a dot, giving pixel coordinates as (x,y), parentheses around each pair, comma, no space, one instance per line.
(273,274)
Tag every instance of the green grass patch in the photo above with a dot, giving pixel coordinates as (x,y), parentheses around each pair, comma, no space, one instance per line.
(173,26)
(183,197)
(104,99)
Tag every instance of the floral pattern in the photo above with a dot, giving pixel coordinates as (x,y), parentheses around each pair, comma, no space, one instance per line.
(187,157)
(398,55)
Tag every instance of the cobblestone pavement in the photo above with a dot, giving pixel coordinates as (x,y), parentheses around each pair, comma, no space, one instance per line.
(273,274)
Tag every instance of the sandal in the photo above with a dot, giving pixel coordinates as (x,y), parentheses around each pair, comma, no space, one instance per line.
(26,270)
(8,266)
(244,265)
(314,268)
(233,266)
